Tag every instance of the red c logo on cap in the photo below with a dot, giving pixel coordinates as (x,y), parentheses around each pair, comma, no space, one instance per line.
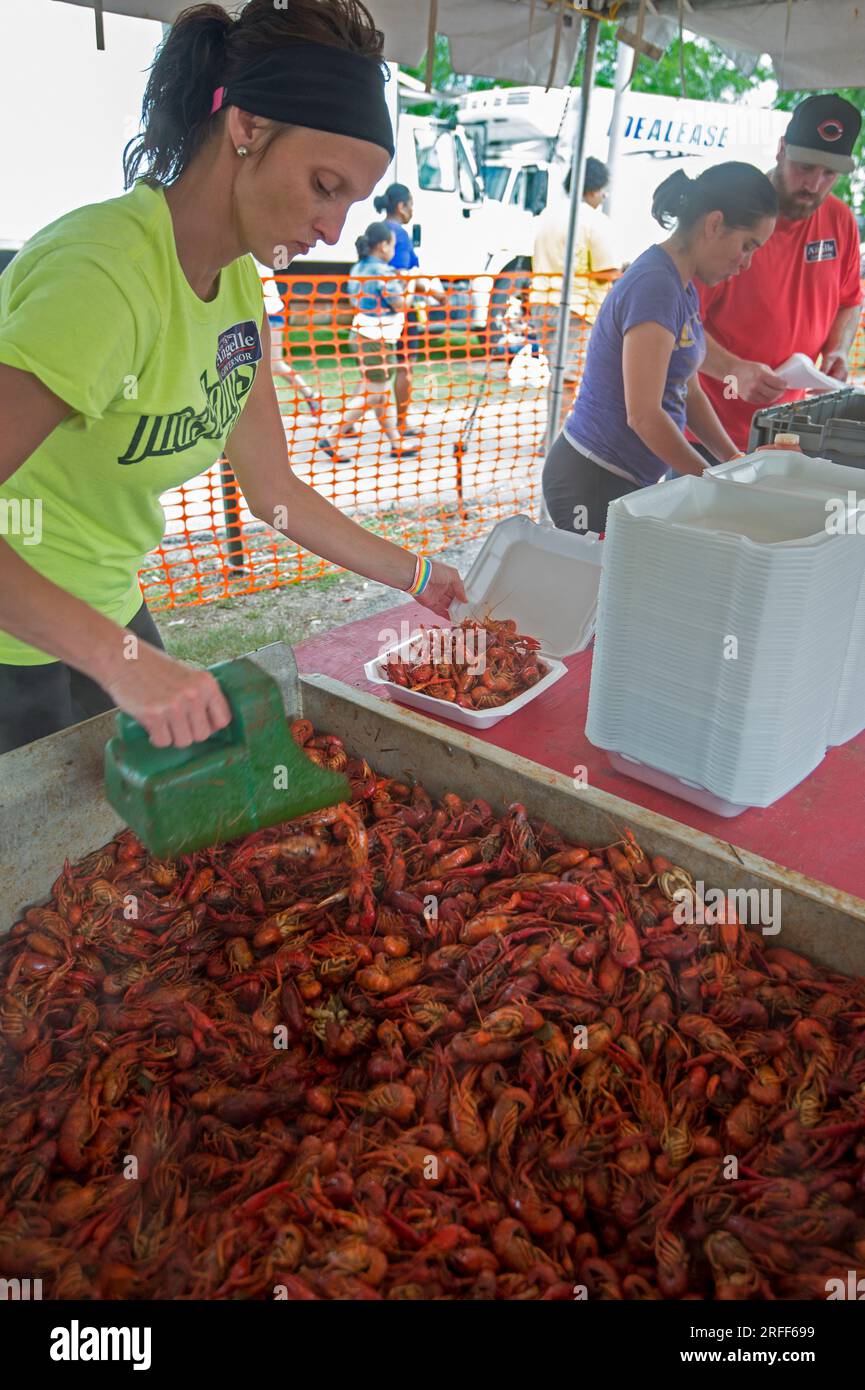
(830,130)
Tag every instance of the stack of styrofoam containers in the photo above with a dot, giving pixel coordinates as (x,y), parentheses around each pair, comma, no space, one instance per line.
(831,484)
(725,617)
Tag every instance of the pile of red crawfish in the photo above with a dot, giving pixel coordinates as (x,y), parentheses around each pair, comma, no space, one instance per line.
(407,1050)
(509,667)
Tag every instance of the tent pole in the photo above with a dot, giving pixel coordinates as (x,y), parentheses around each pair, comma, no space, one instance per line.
(617,120)
(578,161)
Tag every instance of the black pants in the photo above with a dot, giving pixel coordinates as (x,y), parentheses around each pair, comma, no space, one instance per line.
(40,700)
(572,480)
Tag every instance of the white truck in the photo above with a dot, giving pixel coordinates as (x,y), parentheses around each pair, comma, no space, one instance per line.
(524,137)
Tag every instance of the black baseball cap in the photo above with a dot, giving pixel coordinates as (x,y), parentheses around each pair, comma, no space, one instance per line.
(823,130)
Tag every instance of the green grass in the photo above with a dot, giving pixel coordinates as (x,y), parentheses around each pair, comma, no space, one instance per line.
(228,628)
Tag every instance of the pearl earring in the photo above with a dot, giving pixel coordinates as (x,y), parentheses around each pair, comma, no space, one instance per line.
(242,150)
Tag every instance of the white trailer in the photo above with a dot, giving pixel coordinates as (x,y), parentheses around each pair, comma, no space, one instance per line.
(526,135)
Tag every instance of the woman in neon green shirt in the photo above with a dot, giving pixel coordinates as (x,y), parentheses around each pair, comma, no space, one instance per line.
(132,337)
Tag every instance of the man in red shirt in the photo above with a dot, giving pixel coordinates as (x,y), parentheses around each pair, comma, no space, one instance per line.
(802,290)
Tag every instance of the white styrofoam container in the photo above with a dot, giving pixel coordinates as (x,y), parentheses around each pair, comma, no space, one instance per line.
(692,558)
(790,471)
(781,470)
(749,515)
(474,718)
(546,580)
(676,786)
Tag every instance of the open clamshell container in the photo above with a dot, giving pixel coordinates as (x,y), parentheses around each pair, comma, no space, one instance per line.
(546,580)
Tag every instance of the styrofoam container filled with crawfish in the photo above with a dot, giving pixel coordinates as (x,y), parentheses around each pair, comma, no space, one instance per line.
(532,597)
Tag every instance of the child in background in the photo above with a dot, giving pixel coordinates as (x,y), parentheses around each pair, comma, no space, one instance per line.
(377,327)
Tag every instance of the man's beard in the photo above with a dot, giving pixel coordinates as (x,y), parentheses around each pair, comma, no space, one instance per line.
(793,207)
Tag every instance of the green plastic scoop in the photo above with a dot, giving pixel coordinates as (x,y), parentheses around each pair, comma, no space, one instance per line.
(247,776)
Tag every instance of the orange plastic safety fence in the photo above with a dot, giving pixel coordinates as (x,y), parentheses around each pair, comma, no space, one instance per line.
(433,438)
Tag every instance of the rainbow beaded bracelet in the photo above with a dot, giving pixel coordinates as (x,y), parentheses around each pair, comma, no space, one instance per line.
(422,576)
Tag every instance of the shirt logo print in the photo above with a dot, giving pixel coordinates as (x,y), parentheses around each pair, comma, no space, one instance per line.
(238,346)
(826,249)
(156,436)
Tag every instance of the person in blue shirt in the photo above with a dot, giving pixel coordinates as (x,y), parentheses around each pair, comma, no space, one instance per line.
(377,327)
(398,205)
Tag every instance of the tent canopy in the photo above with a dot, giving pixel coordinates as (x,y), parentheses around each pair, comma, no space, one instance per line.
(812,43)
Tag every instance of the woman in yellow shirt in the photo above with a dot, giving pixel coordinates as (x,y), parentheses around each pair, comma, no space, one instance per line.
(132,334)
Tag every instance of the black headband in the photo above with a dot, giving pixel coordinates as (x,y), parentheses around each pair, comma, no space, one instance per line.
(315,85)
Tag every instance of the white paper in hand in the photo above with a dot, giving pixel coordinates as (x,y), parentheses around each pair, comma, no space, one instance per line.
(800,374)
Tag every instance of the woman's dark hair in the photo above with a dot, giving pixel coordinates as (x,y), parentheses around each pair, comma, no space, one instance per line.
(390,200)
(204,49)
(375,233)
(742,193)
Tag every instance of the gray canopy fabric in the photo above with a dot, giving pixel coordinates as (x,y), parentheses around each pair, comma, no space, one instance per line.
(503,39)
(812,43)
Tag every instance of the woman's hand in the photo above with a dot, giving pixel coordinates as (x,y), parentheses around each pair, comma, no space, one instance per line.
(177,704)
(444,588)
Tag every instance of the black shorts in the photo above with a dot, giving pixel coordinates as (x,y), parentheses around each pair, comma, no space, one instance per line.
(572,480)
(39,700)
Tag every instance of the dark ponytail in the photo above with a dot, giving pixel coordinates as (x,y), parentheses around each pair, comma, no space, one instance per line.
(189,66)
(204,49)
(375,233)
(742,193)
(390,200)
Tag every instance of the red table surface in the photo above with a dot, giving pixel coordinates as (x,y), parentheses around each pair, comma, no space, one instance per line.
(816,829)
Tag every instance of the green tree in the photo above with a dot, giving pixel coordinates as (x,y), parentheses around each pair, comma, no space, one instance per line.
(709,75)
